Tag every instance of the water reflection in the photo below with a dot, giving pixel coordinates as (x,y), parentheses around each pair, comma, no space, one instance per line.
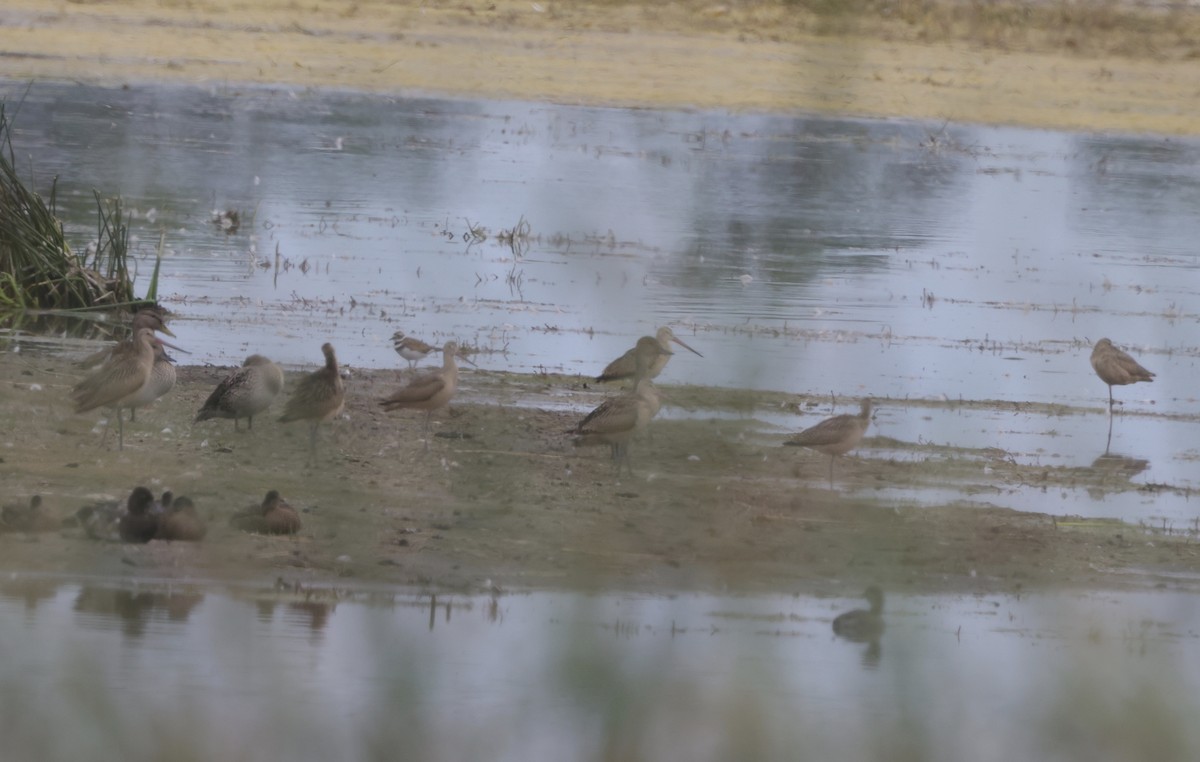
(580,677)
(1123,466)
(133,609)
(1027,241)
(29,590)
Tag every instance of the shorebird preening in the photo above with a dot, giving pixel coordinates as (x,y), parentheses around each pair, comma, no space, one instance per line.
(118,382)
(625,366)
(835,436)
(1116,368)
(410,348)
(244,393)
(428,390)
(317,397)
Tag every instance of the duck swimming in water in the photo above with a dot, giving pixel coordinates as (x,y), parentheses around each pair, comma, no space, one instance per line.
(862,625)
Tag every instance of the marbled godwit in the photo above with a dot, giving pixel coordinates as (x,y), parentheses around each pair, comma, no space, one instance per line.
(275,516)
(317,397)
(835,436)
(625,366)
(411,349)
(161,381)
(148,317)
(181,523)
(1114,367)
(119,380)
(138,524)
(429,390)
(245,393)
(617,420)
(28,518)
(861,625)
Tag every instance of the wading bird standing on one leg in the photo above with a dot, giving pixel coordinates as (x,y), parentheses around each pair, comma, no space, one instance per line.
(1116,368)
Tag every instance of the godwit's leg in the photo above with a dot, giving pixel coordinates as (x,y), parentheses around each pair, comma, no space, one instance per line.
(312,441)
(107,423)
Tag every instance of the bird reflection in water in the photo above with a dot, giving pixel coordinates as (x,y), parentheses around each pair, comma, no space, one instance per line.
(306,607)
(30,590)
(1113,470)
(134,609)
(864,626)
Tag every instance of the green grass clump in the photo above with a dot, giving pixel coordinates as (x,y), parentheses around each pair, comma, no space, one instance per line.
(38,269)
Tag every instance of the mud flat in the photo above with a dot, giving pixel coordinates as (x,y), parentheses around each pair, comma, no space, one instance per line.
(503,499)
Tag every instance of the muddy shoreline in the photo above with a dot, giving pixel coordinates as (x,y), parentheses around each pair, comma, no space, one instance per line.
(504,501)
(1113,67)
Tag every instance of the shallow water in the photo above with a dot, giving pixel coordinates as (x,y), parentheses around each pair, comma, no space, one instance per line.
(146,670)
(895,259)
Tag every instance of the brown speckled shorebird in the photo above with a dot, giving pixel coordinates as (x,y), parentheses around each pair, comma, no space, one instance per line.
(625,366)
(275,516)
(411,349)
(618,419)
(138,524)
(317,397)
(430,390)
(1114,367)
(161,381)
(28,518)
(244,393)
(149,317)
(861,625)
(835,436)
(119,380)
(181,523)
